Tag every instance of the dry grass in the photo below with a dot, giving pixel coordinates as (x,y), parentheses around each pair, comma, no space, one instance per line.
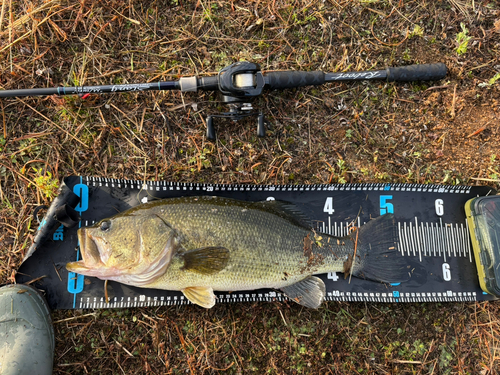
(443,132)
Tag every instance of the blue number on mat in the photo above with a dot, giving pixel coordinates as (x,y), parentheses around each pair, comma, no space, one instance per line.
(386,207)
(76,281)
(82,191)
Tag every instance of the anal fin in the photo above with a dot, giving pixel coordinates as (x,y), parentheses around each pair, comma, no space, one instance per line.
(309,292)
(200,295)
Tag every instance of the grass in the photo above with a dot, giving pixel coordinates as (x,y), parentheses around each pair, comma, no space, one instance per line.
(437,132)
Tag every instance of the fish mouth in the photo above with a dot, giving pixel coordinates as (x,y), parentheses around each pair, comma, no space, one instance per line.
(89,251)
(88,248)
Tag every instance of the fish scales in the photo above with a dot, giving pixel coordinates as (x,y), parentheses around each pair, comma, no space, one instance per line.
(266,250)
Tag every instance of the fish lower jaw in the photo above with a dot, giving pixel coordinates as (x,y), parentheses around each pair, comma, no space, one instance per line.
(143,276)
(76,267)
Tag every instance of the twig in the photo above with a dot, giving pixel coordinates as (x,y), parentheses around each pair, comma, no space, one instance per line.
(74,318)
(125,349)
(35,280)
(106,297)
(31,135)
(3,116)
(222,369)
(378,12)
(282,317)
(483,65)
(437,87)
(484,179)
(454,102)
(128,19)
(309,130)
(427,353)
(477,132)
(2,13)
(354,255)
(57,271)
(10,36)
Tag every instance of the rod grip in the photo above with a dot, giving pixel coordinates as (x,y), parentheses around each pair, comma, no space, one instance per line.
(288,80)
(420,72)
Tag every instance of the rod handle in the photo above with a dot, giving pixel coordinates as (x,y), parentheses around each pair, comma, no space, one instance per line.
(291,79)
(419,72)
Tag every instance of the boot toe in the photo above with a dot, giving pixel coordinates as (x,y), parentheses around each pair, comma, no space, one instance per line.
(26,332)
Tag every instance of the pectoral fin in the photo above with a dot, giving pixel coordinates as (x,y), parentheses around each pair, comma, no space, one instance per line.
(200,295)
(309,292)
(206,260)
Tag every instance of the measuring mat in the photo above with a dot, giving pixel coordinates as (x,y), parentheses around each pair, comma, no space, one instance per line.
(430,222)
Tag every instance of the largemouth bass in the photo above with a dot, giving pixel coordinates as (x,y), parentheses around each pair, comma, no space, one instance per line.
(201,244)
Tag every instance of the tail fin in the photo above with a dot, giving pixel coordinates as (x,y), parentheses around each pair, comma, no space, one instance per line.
(377,257)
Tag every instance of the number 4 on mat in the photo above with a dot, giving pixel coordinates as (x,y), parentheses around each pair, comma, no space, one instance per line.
(329,206)
(333,276)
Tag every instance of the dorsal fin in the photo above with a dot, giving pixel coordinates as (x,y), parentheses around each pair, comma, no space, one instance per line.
(285,210)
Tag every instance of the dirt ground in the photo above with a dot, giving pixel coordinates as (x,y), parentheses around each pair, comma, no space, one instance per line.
(444,132)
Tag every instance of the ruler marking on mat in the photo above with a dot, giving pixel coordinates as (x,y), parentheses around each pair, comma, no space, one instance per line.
(418,239)
(464,239)
(412,239)
(407,242)
(439,240)
(152,185)
(452,239)
(401,247)
(468,242)
(417,235)
(442,239)
(428,246)
(437,248)
(334,295)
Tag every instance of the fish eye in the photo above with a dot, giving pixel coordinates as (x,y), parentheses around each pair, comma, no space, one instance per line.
(105,225)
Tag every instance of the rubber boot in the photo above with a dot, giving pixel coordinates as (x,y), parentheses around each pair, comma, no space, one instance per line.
(26,332)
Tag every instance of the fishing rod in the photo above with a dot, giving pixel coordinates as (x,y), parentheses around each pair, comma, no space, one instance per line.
(243,81)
